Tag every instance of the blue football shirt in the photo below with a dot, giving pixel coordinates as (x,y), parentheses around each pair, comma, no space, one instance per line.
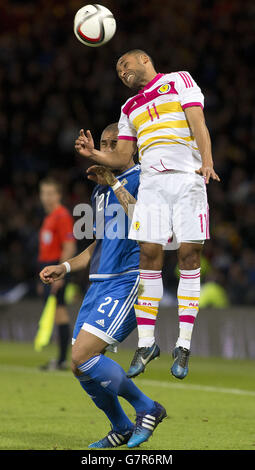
(114,254)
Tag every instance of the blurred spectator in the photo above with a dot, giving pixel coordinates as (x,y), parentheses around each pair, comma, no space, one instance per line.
(51,86)
(213,291)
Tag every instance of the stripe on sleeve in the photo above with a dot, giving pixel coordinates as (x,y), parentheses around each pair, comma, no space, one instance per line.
(127,137)
(186,78)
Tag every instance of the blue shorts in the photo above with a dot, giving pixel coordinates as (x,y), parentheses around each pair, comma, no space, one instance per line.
(107,310)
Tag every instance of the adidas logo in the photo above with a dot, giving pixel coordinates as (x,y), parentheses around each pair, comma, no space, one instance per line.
(100,322)
(115,439)
(105,384)
(149,422)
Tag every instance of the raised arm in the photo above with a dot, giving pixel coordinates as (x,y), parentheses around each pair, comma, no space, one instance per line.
(102,175)
(196,120)
(126,200)
(116,159)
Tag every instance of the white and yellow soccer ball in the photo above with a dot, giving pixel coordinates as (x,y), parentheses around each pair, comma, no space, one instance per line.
(94,25)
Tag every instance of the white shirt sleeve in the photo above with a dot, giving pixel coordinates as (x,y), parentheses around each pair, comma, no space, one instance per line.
(126,128)
(189,92)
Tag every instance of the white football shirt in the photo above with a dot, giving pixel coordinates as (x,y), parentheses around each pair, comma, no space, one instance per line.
(155,118)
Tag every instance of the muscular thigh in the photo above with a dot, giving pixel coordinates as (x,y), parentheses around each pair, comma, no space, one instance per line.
(189,255)
(151,256)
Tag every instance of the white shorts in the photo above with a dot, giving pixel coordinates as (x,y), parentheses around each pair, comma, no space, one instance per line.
(171,208)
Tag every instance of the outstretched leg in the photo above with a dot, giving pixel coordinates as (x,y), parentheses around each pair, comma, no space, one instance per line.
(88,363)
(150,292)
(85,347)
(188,304)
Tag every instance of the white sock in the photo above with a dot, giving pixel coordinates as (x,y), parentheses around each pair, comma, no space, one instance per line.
(150,292)
(188,304)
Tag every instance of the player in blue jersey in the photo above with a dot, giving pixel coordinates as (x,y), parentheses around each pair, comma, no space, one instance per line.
(107,314)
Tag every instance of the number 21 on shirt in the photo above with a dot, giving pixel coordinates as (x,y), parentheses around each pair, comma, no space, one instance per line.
(100,201)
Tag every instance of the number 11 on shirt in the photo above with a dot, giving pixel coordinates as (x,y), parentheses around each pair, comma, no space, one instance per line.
(155,110)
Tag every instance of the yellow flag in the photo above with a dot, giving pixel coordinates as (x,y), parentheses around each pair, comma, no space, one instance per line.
(72,291)
(46,323)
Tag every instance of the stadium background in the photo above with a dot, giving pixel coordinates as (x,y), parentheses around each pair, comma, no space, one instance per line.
(51,86)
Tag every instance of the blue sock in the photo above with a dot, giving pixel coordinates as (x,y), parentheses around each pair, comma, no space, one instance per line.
(108,403)
(112,377)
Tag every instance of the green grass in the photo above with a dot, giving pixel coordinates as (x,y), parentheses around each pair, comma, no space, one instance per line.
(213,408)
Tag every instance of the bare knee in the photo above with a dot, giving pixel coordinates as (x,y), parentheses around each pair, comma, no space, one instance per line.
(151,256)
(78,358)
(189,256)
(75,369)
(85,347)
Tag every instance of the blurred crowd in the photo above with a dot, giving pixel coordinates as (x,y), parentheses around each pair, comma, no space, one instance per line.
(51,86)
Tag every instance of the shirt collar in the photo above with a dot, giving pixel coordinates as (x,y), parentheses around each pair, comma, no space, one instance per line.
(154,80)
(135,167)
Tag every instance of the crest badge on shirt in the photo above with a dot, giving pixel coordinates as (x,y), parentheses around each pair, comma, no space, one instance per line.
(136,225)
(164,89)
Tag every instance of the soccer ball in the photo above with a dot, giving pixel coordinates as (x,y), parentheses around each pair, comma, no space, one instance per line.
(94,25)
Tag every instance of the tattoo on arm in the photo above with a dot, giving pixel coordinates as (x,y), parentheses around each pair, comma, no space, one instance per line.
(126,200)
